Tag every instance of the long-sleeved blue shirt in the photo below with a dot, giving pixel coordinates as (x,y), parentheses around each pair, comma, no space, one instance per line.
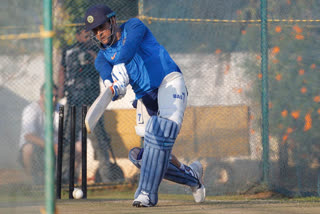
(147,62)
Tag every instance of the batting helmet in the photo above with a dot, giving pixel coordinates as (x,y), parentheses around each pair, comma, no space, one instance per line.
(97,15)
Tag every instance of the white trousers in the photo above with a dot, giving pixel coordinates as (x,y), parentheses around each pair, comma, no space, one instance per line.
(172,98)
(172,102)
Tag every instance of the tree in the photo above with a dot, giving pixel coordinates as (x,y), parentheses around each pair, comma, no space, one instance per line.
(293,73)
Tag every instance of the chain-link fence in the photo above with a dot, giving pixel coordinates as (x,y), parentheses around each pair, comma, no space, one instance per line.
(217,46)
(21,76)
(294,97)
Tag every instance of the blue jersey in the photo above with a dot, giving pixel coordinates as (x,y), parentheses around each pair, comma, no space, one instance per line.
(146,61)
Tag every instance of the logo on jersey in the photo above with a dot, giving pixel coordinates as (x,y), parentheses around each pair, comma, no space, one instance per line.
(90,19)
(179,96)
(114,56)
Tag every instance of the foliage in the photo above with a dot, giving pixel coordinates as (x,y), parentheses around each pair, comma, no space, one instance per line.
(293,77)
(20,17)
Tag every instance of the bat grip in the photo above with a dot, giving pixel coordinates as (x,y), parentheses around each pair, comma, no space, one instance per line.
(111,88)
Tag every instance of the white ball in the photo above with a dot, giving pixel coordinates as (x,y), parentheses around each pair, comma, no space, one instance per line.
(77,193)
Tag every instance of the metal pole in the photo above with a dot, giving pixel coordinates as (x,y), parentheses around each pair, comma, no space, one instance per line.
(49,153)
(84,152)
(140,8)
(72,150)
(264,95)
(60,152)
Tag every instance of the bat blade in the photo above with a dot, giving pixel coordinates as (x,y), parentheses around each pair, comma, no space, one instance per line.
(97,108)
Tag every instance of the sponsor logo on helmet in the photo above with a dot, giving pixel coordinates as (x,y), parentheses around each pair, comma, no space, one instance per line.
(90,19)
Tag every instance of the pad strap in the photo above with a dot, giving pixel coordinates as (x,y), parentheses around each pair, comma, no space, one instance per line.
(173,173)
(158,142)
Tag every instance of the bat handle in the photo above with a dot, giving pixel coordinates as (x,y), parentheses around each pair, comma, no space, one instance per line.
(111,88)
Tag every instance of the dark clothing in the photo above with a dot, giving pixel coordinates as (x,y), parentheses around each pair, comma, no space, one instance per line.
(82,87)
(150,101)
(81,79)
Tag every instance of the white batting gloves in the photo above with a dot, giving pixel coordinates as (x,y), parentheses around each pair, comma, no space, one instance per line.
(119,90)
(119,73)
(121,80)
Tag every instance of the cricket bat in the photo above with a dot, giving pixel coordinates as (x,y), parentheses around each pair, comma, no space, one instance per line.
(97,108)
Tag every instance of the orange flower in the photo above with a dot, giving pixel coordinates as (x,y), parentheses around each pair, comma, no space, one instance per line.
(278,29)
(260,76)
(258,57)
(278,77)
(299,37)
(285,138)
(301,72)
(252,131)
(295,114)
(299,58)
(313,66)
(243,32)
(289,130)
(297,29)
(289,2)
(318,111)
(218,51)
(303,90)
(239,90)
(316,99)
(308,122)
(270,105)
(275,50)
(284,113)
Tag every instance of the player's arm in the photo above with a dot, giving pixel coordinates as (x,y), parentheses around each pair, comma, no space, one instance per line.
(29,127)
(34,139)
(135,32)
(105,71)
(104,68)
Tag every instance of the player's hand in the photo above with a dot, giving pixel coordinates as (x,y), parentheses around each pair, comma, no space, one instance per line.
(119,74)
(119,89)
